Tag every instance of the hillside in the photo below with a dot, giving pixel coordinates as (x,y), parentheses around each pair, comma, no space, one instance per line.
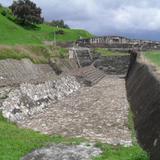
(11,33)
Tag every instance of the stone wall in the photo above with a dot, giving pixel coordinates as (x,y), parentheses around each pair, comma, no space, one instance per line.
(18,103)
(143,90)
(113,64)
(63,65)
(14,72)
(27,88)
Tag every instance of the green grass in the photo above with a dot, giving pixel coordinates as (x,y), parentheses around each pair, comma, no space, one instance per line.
(11,33)
(121,153)
(36,53)
(131,126)
(153,56)
(16,142)
(106,52)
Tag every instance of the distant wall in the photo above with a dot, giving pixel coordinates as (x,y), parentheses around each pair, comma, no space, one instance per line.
(113,64)
(143,90)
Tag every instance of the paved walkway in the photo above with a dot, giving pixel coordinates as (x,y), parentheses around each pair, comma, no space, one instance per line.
(98,113)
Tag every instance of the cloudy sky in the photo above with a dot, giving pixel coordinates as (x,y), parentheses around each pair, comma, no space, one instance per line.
(132,18)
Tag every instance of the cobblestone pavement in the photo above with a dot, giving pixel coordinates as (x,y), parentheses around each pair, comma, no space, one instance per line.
(99,113)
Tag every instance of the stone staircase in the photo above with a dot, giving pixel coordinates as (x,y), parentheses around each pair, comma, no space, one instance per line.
(83,56)
(88,75)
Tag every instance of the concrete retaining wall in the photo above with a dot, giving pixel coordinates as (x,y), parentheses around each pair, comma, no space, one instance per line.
(143,90)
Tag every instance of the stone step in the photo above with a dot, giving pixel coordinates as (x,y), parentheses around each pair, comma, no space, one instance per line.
(94,77)
(84,58)
(89,69)
(89,75)
(96,80)
(91,82)
(91,72)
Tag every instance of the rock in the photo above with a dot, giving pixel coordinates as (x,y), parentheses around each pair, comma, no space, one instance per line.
(91,112)
(64,152)
(29,98)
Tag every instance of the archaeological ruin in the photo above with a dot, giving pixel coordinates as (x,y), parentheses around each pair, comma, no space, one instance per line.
(119,43)
(85,95)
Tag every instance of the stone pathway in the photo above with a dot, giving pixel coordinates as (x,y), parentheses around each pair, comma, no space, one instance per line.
(99,113)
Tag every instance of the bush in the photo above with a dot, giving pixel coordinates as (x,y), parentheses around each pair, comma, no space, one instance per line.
(7,13)
(3,13)
(58,23)
(60,32)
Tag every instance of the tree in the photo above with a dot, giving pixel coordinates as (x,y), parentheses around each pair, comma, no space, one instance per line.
(26,12)
(59,23)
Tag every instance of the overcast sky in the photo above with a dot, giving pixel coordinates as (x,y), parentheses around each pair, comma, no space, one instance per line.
(132,18)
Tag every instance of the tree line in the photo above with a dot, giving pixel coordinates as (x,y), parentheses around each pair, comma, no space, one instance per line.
(26,13)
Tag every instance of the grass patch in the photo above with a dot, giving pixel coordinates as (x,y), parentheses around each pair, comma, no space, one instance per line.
(106,52)
(121,153)
(58,52)
(15,142)
(153,56)
(131,126)
(36,53)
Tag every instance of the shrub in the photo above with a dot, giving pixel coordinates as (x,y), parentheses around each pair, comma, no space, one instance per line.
(60,32)
(58,23)
(3,12)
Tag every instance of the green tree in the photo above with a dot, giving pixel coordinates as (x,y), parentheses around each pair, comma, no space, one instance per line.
(26,12)
(59,23)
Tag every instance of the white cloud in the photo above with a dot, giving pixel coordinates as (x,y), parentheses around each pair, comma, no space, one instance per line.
(137,18)
(5,2)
